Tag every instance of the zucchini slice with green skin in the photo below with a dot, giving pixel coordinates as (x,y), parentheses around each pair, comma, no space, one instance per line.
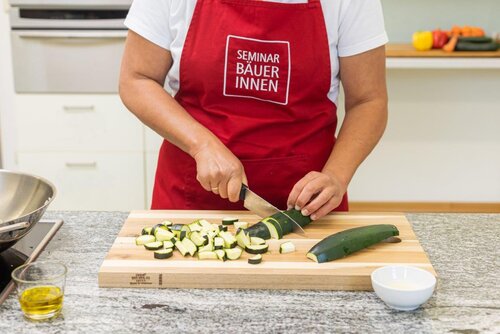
(190,246)
(233,253)
(229,239)
(155,245)
(274,229)
(208,256)
(256,259)
(163,235)
(183,235)
(205,224)
(259,230)
(286,224)
(181,248)
(221,254)
(222,228)
(198,239)
(243,238)
(218,243)
(341,244)
(168,244)
(238,225)
(146,230)
(229,220)
(144,239)
(257,249)
(257,241)
(158,226)
(287,247)
(163,254)
(195,227)
(167,223)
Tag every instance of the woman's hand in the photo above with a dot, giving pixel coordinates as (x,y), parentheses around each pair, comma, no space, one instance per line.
(316,194)
(219,170)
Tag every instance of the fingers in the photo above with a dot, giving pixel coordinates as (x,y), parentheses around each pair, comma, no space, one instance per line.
(328,207)
(298,188)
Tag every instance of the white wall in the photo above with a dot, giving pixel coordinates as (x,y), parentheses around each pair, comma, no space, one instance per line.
(7,115)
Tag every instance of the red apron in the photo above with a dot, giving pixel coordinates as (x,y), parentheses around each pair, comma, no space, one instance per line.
(257,75)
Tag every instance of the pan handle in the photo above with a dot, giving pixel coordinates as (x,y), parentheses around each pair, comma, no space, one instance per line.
(14,227)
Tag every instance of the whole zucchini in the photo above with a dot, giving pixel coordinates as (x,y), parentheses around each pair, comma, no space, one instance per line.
(472,46)
(341,244)
(279,222)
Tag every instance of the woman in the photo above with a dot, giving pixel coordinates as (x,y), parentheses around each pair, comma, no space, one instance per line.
(254,90)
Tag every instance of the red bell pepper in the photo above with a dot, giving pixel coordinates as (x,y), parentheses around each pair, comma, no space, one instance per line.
(440,38)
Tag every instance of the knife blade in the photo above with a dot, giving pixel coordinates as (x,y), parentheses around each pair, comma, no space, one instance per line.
(263,208)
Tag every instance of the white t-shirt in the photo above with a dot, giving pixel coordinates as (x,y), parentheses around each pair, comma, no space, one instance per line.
(353,27)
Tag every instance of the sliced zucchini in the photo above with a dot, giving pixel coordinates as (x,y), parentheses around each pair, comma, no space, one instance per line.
(168,244)
(206,248)
(274,230)
(341,244)
(256,259)
(287,247)
(208,256)
(167,223)
(176,229)
(259,230)
(257,241)
(155,245)
(222,228)
(229,220)
(238,225)
(256,249)
(190,246)
(162,235)
(181,248)
(233,253)
(218,243)
(195,227)
(158,226)
(229,239)
(199,239)
(183,235)
(243,238)
(163,253)
(144,239)
(174,240)
(146,230)
(221,254)
(205,224)
(212,234)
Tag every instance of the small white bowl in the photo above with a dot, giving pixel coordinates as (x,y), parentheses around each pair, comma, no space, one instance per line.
(403,288)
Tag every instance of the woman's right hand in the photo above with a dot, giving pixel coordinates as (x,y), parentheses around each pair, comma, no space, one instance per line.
(219,170)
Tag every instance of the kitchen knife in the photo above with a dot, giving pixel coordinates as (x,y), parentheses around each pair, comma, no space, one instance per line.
(263,208)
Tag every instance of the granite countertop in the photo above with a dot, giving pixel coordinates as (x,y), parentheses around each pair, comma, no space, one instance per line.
(462,247)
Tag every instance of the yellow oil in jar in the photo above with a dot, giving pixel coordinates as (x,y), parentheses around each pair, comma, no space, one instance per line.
(41,302)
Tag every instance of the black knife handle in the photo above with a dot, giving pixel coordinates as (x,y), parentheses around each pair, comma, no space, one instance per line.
(243,191)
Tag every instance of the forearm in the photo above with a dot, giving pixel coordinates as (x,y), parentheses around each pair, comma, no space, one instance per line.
(149,102)
(361,130)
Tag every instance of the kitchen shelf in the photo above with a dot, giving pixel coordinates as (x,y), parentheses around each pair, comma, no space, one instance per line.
(404,56)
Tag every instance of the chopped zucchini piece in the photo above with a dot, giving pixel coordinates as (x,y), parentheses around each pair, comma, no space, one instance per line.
(144,239)
(155,245)
(221,254)
(259,230)
(233,253)
(257,241)
(287,247)
(162,235)
(256,259)
(146,230)
(158,226)
(167,223)
(229,220)
(238,225)
(190,246)
(199,239)
(218,243)
(208,256)
(182,248)
(257,249)
(168,244)
(163,253)
(205,224)
(222,228)
(229,239)
(273,231)
(243,238)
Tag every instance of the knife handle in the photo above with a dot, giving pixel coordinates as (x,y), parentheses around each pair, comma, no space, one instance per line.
(243,192)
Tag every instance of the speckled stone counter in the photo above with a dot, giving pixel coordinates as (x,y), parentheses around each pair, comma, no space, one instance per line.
(464,250)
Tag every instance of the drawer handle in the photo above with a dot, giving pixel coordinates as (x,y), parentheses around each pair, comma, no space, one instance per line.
(91,164)
(78,109)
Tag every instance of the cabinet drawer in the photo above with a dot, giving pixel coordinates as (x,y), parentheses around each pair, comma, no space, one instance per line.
(93,181)
(76,123)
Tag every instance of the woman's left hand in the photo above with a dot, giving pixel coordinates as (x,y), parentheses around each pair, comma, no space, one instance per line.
(317,194)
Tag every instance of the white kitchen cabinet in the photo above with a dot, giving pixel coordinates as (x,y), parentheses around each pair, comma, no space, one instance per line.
(76,123)
(91,181)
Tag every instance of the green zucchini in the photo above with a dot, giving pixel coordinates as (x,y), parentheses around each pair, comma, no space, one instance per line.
(256,259)
(221,254)
(471,46)
(287,247)
(198,239)
(257,241)
(163,253)
(218,243)
(229,220)
(156,227)
(259,230)
(146,230)
(229,239)
(168,244)
(163,235)
(144,239)
(475,39)
(233,253)
(238,225)
(295,215)
(274,229)
(155,245)
(195,227)
(190,246)
(181,248)
(256,249)
(243,238)
(167,223)
(349,241)
(208,256)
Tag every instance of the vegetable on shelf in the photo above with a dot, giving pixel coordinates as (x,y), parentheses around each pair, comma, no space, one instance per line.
(439,39)
(452,43)
(423,40)
(341,244)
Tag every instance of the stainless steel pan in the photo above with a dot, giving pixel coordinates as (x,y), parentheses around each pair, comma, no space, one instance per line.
(23,200)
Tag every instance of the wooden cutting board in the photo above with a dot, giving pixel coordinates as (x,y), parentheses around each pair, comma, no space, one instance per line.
(128,265)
